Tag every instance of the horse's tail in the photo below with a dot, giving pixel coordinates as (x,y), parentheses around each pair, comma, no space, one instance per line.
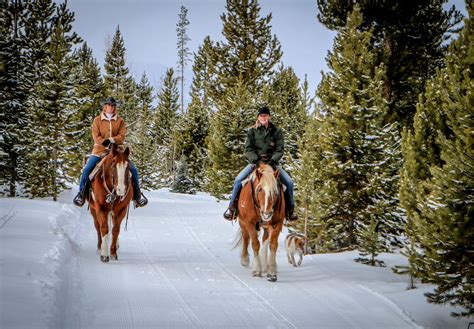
(238,239)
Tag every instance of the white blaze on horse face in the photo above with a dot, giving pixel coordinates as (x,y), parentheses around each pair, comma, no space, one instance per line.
(121,170)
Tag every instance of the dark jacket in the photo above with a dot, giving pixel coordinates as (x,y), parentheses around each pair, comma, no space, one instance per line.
(264,141)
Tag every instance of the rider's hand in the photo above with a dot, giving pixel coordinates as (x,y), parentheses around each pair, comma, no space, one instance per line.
(106,142)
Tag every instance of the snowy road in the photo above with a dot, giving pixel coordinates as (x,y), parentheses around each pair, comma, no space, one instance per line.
(177,269)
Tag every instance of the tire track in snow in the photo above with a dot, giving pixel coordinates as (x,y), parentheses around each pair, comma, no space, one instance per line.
(158,273)
(279,316)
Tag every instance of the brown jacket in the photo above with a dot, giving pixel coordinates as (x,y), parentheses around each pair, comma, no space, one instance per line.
(103,129)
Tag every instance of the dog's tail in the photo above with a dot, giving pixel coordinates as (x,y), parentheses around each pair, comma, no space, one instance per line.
(238,239)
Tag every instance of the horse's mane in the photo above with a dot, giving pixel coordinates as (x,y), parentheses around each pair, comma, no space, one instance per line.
(267,180)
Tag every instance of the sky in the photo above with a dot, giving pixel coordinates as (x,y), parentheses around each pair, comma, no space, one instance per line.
(149,31)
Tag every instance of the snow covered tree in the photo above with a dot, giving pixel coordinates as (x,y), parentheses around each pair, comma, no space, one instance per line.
(164,121)
(357,150)
(183,50)
(248,53)
(284,98)
(370,244)
(183,183)
(88,92)
(52,110)
(192,133)
(118,81)
(12,98)
(440,196)
(143,145)
(410,54)
(227,135)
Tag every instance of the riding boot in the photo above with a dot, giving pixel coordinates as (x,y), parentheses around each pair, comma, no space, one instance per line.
(80,198)
(291,215)
(230,213)
(138,198)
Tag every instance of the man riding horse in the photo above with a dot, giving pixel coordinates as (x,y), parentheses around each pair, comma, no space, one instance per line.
(264,143)
(107,128)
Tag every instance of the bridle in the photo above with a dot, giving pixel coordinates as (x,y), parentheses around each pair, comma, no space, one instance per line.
(256,203)
(112,195)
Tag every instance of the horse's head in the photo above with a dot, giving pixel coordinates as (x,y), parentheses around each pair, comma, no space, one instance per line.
(266,190)
(117,168)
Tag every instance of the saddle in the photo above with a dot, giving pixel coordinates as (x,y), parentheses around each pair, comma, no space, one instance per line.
(97,169)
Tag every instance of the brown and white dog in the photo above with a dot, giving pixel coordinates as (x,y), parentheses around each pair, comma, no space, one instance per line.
(294,244)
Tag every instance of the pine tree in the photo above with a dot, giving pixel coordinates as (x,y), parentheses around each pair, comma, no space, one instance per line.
(357,172)
(143,143)
(370,245)
(284,97)
(227,135)
(183,183)
(410,54)
(248,53)
(52,110)
(183,50)
(308,179)
(165,120)
(119,83)
(193,131)
(12,98)
(88,91)
(441,209)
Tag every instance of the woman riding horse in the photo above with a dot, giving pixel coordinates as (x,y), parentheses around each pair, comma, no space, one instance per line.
(107,128)
(264,143)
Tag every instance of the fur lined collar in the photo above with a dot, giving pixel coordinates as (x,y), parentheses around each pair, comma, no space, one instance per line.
(104,117)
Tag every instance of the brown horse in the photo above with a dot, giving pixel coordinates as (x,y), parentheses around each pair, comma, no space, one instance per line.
(261,204)
(112,192)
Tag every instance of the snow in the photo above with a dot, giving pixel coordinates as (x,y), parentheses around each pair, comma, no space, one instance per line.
(177,269)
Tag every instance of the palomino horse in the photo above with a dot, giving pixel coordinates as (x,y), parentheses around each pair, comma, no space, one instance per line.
(111,194)
(261,204)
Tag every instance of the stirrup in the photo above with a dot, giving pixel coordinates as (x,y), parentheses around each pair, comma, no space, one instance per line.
(141,201)
(79,200)
(229,214)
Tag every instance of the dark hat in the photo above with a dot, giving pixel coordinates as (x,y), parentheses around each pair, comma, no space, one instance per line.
(110,101)
(263,110)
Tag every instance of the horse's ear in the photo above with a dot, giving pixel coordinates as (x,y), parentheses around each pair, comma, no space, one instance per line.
(127,151)
(114,149)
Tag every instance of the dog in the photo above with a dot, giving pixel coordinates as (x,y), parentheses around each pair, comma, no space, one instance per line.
(294,244)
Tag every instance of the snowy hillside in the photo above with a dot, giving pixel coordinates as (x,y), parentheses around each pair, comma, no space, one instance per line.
(177,269)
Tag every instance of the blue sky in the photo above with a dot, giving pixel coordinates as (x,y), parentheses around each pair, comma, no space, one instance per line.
(149,31)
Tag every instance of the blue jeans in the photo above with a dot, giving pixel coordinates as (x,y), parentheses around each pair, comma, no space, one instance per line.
(92,162)
(284,177)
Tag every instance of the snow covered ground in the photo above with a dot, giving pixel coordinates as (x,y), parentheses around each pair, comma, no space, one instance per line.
(177,269)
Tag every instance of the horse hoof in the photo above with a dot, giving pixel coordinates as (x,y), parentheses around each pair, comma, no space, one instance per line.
(113,257)
(271,277)
(105,259)
(257,274)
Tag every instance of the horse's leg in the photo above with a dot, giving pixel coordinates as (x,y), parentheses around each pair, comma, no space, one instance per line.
(244,256)
(264,258)
(115,233)
(103,218)
(272,266)
(256,266)
(97,229)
